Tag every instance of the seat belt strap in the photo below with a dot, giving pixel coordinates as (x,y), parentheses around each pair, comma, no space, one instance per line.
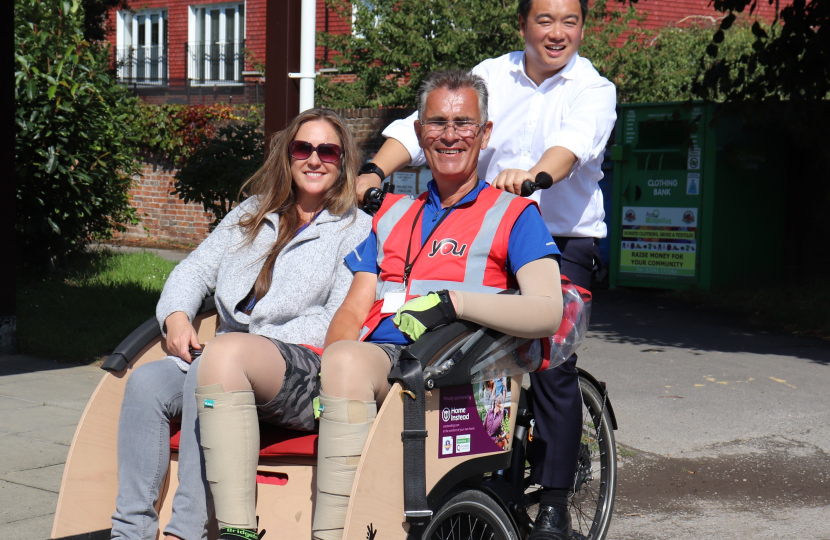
(414,436)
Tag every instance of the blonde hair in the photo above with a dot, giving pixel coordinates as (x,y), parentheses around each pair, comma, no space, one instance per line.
(275,187)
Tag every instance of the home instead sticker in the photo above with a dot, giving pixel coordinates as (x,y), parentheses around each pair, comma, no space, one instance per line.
(462,430)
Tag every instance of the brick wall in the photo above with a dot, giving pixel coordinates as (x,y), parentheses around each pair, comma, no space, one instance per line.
(166,218)
(366,125)
(679,12)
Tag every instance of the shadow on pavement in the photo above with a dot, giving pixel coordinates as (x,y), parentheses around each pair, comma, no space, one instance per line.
(17,364)
(649,318)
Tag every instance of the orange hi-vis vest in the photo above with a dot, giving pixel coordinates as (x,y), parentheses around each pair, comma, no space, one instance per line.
(467,252)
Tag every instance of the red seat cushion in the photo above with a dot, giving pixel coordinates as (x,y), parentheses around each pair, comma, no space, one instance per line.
(273,441)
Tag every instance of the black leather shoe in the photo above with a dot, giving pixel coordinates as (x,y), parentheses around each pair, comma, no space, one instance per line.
(551,524)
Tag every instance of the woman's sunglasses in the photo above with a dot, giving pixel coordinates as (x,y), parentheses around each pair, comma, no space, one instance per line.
(328,153)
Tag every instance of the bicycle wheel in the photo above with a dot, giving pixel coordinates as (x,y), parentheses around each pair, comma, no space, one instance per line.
(595,484)
(470,515)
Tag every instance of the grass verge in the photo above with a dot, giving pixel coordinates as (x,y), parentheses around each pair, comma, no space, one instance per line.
(84,313)
(800,310)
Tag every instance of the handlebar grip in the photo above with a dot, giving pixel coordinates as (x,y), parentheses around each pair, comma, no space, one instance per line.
(543,181)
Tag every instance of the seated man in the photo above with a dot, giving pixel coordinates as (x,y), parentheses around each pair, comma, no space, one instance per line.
(463,239)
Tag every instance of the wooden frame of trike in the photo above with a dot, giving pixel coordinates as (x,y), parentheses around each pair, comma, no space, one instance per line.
(286,473)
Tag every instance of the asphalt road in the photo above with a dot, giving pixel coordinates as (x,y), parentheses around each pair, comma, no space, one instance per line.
(725,429)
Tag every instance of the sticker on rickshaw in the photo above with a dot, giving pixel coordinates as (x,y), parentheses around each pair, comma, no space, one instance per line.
(475,418)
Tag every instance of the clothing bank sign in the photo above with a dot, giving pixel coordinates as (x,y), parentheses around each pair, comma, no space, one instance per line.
(659,241)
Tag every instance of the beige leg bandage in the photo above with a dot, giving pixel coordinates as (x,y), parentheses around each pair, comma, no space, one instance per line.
(230,439)
(344,428)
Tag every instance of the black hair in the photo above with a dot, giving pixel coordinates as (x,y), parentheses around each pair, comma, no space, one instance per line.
(524,8)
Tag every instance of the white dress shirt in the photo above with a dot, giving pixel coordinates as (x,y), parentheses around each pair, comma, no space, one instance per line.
(575,109)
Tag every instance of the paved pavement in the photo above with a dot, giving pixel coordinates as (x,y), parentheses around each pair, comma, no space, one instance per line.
(41,402)
(726,429)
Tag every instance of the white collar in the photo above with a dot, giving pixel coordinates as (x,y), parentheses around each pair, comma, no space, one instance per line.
(568,72)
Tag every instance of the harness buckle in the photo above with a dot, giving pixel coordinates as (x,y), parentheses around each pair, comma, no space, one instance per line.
(413,434)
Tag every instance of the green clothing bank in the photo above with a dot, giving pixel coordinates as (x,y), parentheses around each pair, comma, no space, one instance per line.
(698,198)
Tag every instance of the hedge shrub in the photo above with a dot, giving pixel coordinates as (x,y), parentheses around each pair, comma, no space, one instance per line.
(75,152)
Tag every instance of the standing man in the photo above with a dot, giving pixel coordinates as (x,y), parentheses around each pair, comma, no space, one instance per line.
(552,112)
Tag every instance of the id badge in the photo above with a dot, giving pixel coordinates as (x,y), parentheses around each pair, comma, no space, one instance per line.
(392,301)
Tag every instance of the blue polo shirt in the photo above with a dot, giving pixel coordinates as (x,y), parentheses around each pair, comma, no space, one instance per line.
(529,241)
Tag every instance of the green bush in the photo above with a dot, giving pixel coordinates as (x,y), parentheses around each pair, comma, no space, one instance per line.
(74,150)
(214,173)
(408,39)
(670,60)
(175,132)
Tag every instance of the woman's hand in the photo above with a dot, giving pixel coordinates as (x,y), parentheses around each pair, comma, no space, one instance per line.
(181,336)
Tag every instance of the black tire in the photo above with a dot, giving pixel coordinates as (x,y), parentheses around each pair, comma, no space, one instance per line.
(595,484)
(470,515)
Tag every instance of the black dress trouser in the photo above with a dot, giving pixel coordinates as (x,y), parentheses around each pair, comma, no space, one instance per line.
(554,394)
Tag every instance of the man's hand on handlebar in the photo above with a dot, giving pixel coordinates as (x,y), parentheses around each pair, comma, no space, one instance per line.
(541,180)
(511,180)
(181,336)
(364,182)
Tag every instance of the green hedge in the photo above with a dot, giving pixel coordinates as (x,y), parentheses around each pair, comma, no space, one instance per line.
(75,150)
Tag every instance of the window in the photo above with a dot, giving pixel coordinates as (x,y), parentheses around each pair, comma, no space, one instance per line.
(142,46)
(217,43)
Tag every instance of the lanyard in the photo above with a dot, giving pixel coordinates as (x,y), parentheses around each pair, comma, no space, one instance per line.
(407,269)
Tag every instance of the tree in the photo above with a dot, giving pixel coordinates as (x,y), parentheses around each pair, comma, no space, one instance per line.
(215,172)
(669,59)
(396,42)
(95,17)
(791,61)
(394,45)
(74,150)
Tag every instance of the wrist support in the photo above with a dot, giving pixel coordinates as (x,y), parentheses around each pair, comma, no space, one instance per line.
(425,313)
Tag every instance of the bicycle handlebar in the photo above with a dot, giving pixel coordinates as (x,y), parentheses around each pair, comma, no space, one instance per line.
(543,181)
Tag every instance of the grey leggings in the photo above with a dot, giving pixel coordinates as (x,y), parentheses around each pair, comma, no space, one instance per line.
(152,398)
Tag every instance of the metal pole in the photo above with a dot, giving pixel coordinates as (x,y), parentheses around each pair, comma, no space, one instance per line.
(307,54)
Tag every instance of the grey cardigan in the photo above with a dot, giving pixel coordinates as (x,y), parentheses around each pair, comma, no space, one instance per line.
(309,282)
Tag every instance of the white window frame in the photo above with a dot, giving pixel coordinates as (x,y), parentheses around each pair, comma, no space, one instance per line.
(358,35)
(127,35)
(193,68)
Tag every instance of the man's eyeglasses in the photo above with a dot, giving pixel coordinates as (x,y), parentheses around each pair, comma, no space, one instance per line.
(327,152)
(463,129)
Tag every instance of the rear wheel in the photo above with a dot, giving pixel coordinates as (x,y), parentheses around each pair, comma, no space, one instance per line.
(470,515)
(596,475)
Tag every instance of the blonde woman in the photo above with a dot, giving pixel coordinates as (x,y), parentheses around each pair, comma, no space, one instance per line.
(276,264)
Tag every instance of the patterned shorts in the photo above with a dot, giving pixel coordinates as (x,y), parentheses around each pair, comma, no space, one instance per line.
(393,351)
(292,407)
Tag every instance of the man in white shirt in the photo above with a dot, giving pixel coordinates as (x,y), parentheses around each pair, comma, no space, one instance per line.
(552,112)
